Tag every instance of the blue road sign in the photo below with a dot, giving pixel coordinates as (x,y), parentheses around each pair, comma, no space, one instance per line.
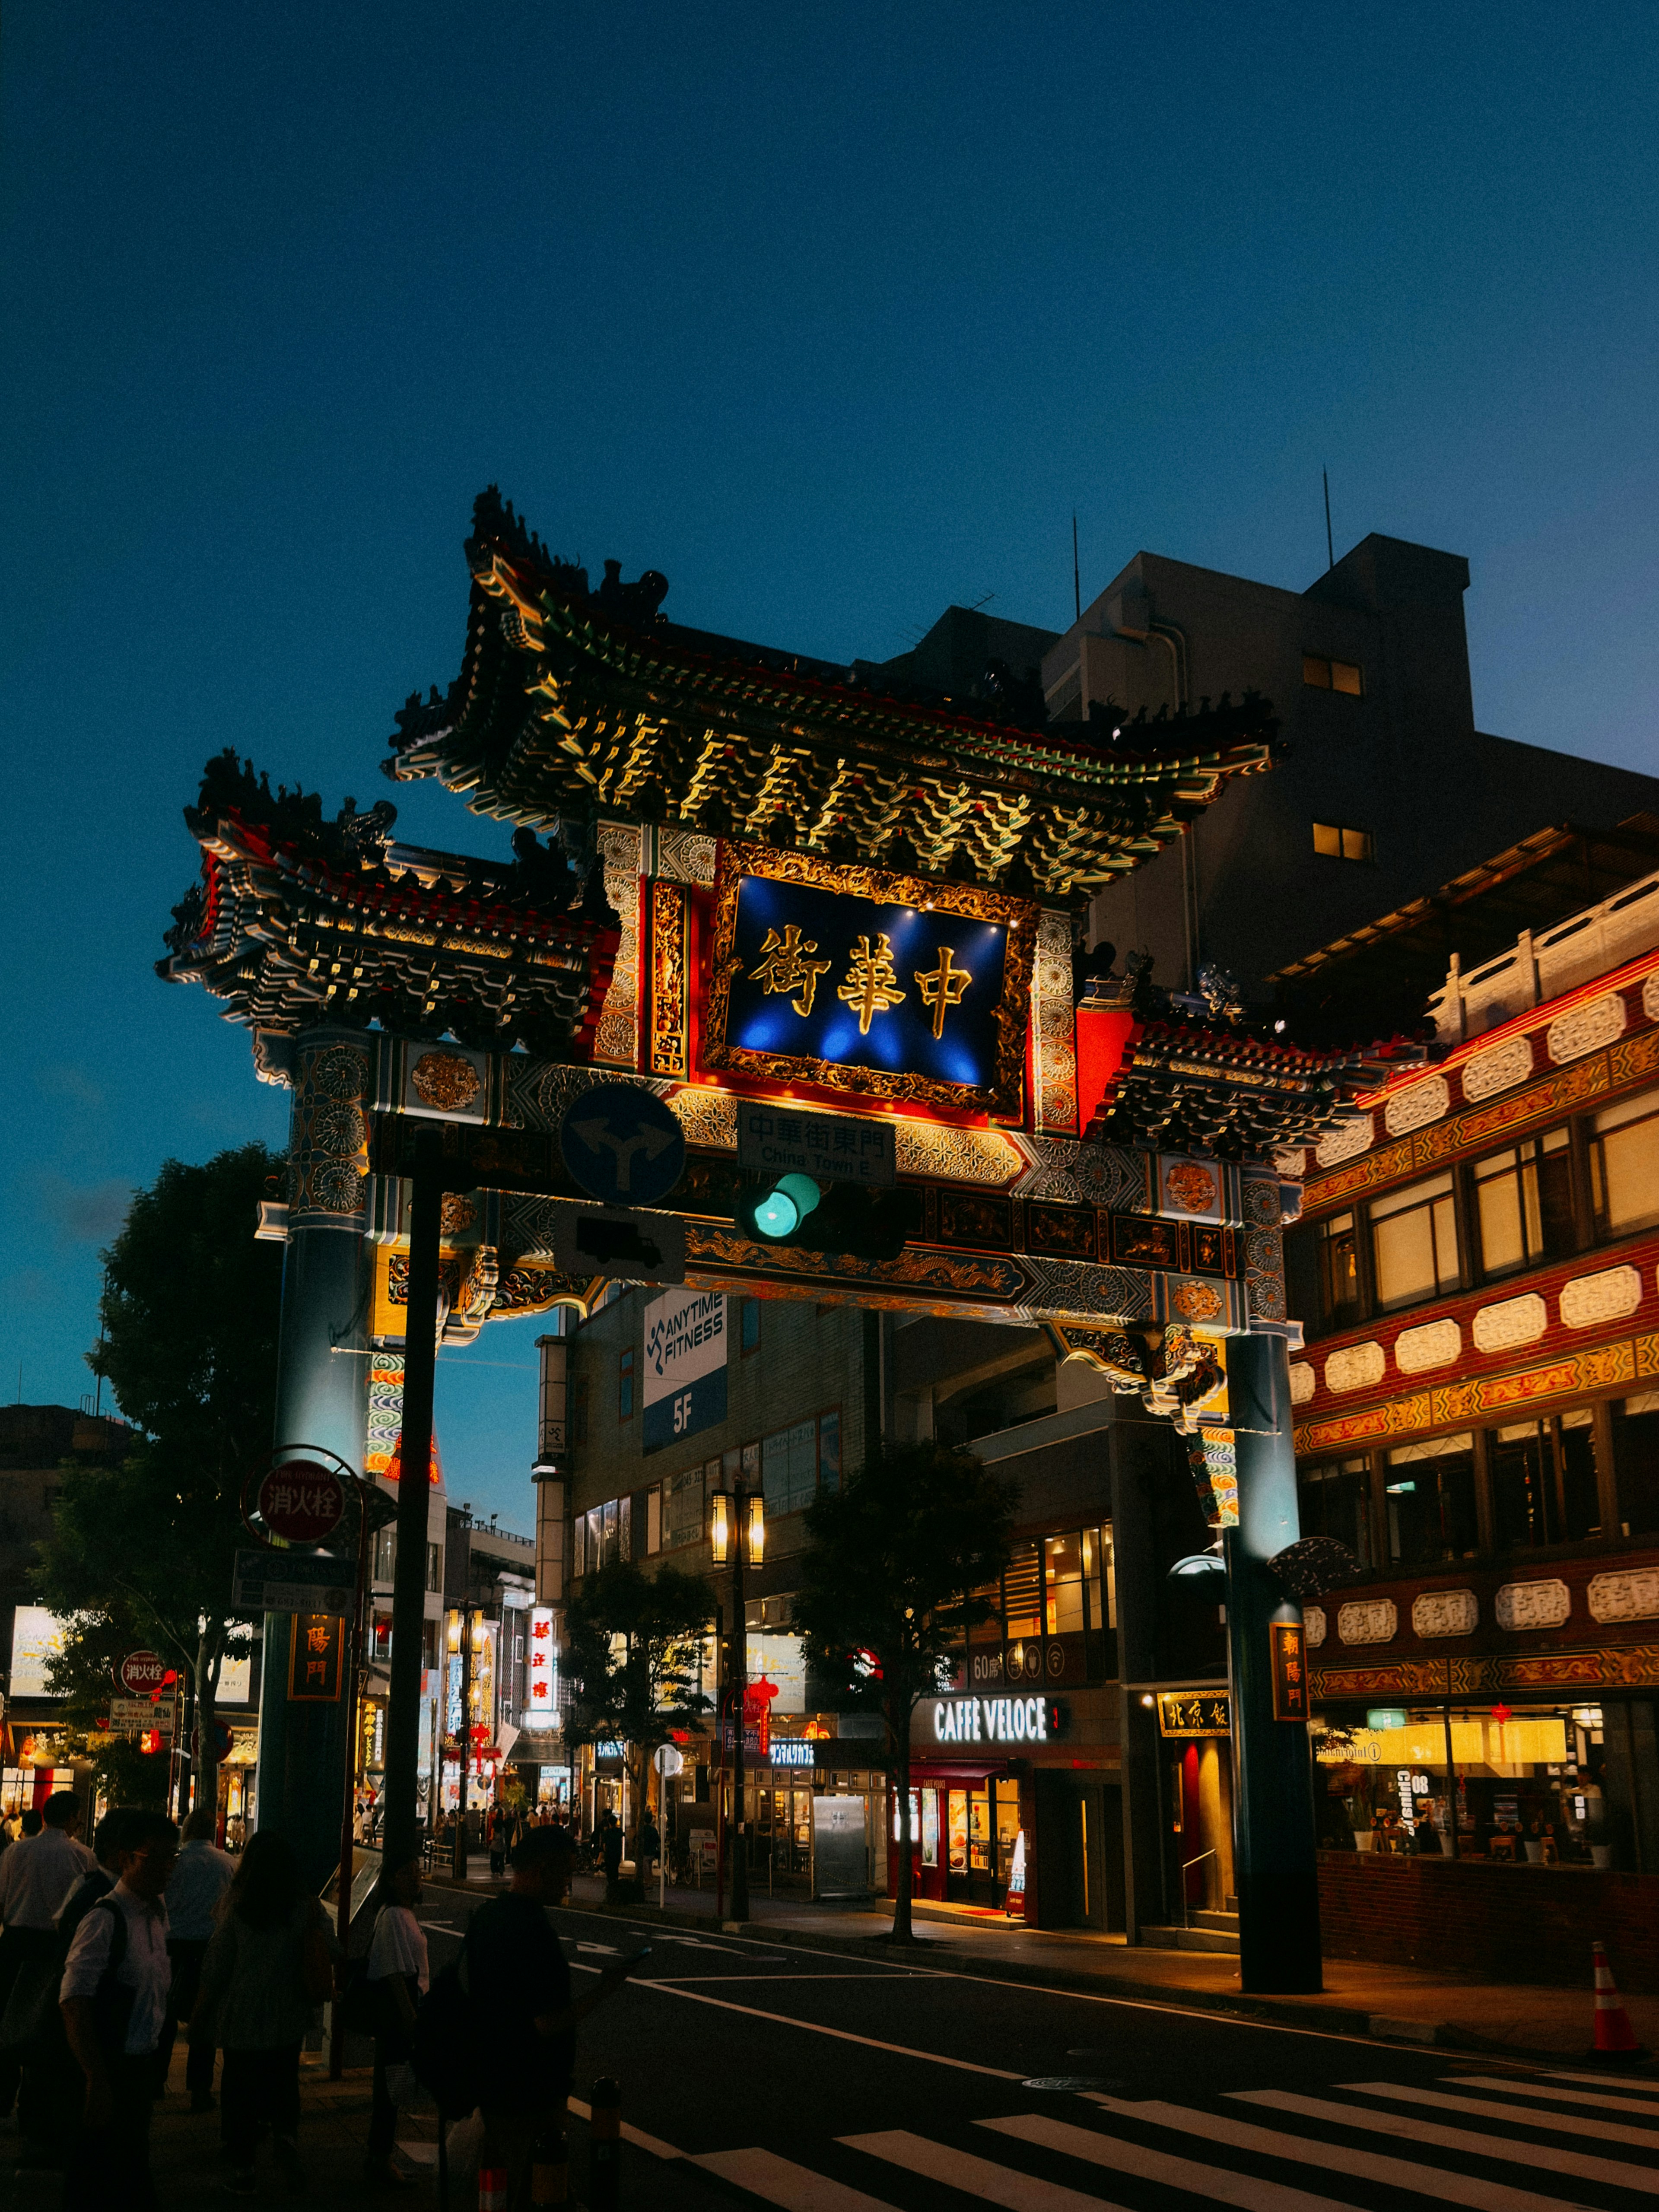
(623,1144)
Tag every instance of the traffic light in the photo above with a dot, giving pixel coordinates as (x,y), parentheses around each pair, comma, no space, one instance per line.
(793,1209)
(149,1740)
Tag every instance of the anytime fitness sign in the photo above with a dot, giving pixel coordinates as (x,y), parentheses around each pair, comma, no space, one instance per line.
(990,1720)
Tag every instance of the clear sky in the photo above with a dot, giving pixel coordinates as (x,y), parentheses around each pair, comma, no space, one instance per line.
(834,315)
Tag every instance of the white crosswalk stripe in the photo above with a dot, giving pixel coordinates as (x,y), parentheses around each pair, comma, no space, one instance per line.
(1513,2085)
(1614,2171)
(1124,2157)
(974,2177)
(1521,2112)
(781,2181)
(1637,2089)
(1336,2157)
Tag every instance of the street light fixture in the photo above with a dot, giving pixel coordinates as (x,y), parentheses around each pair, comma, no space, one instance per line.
(736,1532)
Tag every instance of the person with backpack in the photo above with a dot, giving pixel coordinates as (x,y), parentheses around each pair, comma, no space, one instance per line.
(399,1972)
(270,1963)
(114,2000)
(50,2092)
(36,1875)
(523,2021)
(201,1878)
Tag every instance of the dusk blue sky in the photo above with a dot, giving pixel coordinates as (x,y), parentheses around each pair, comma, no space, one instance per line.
(834,315)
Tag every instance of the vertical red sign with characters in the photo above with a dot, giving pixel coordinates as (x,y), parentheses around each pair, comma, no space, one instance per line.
(315,1658)
(1290,1671)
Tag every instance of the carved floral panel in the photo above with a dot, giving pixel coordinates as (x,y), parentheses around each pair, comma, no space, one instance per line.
(1445,1613)
(1355,1367)
(1344,1140)
(1608,1295)
(1509,1322)
(1304,1382)
(1313,1626)
(1432,1343)
(1500,1067)
(1368,1620)
(1632,1595)
(1532,1605)
(1418,1105)
(1586,1028)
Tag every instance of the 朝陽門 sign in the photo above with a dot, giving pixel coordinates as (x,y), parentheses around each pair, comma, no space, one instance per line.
(1194,1712)
(1290,1670)
(862,980)
(684,1365)
(315,1658)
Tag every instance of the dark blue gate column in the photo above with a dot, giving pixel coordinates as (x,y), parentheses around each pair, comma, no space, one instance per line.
(1274,1849)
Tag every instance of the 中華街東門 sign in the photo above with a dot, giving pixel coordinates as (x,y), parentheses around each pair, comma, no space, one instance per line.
(860,980)
(684,1365)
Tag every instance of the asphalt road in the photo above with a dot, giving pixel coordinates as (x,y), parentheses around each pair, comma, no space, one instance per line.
(754,2074)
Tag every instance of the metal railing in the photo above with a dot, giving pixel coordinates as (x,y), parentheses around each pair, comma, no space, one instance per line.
(1186,1911)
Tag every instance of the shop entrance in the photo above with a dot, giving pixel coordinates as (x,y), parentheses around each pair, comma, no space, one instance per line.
(1079,1836)
(1200,1868)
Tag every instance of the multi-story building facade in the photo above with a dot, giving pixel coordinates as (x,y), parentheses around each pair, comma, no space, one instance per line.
(1477,1269)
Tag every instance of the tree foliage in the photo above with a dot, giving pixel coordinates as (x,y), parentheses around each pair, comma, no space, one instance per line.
(145,1551)
(886,1599)
(632,1648)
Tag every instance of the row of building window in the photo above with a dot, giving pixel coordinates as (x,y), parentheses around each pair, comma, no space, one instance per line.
(1052,1586)
(1539,1200)
(1477,1492)
(790,1467)
(1324,675)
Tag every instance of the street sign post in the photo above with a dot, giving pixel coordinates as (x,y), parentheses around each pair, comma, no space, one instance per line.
(130,1713)
(292,1582)
(668,1760)
(301,1501)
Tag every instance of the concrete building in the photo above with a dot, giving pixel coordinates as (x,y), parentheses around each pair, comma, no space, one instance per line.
(1386,788)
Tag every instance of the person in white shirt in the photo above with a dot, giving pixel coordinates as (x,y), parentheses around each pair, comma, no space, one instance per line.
(399,1973)
(37,1873)
(199,1881)
(113,1998)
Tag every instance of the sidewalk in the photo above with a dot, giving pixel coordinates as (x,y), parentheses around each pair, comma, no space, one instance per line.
(1410,2004)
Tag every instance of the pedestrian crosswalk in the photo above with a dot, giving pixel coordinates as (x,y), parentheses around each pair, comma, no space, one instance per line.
(1490,2141)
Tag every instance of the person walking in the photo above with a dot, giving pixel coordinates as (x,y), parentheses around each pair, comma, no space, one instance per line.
(399,1973)
(201,1878)
(271,1961)
(37,1874)
(648,1847)
(50,2089)
(525,2020)
(611,1846)
(113,1999)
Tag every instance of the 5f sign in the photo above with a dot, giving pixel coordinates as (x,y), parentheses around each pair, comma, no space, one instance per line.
(684,1365)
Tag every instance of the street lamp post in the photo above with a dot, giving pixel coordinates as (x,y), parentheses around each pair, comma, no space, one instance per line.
(737,1528)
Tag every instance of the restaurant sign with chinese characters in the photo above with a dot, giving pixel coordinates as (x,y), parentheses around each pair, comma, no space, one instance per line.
(860,980)
(315,1655)
(1290,1671)
(1194,1712)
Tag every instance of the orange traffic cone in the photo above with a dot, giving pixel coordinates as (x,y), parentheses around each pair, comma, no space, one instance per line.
(1615,2036)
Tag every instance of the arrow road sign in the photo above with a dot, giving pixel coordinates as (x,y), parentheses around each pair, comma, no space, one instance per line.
(623,1144)
(292,1582)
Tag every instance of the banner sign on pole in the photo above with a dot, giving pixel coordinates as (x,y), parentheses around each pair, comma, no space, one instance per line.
(684,1365)
(1290,1671)
(541,1702)
(315,1655)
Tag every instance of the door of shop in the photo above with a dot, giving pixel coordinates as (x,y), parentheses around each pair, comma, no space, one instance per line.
(1080,1852)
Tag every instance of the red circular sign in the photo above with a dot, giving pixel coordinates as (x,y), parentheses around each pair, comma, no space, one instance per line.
(302,1502)
(141,1673)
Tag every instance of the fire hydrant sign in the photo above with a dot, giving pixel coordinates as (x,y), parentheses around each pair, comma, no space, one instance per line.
(684,1365)
(302,1502)
(141,1673)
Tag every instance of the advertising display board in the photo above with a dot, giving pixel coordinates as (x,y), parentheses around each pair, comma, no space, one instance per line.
(541,1698)
(684,1365)
(37,1638)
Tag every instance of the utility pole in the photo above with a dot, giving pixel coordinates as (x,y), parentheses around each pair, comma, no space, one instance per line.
(402,1730)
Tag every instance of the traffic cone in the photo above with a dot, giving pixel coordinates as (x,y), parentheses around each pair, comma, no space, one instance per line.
(1615,2036)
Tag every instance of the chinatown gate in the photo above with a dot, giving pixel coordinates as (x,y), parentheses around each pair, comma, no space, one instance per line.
(757,881)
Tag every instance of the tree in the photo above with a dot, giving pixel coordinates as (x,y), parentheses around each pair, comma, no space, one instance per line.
(189,1348)
(884,1604)
(632,1644)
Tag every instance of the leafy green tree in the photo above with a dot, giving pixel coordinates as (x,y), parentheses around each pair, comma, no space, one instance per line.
(146,1551)
(633,1641)
(883,1608)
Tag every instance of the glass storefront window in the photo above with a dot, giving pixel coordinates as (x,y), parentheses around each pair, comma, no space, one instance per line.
(1430,1494)
(1099,1577)
(1636,1463)
(1022,1592)
(957,1830)
(1414,1242)
(1335,1501)
(1007,1829)
(1063,1584)
(979,1831)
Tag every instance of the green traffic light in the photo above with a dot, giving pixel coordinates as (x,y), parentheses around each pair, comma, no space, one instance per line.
(788,1204)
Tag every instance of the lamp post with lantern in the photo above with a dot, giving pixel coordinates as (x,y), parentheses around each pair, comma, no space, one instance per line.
(736,1531)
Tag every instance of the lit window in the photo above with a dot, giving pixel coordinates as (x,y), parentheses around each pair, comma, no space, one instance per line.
(1624,1165)
(1331,675)
(1414,1242)
(1339,1271)
(1523,1202)
(1337,842)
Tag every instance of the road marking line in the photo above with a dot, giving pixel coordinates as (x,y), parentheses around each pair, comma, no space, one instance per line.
(769,1979)
(780,2181)
(839,2034)
(974,2177)
(1521,2113)
(1612,2081)
(654,2144)
(1304,2150)
(1513,2087)
(1613,2171)
(1124,2157)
